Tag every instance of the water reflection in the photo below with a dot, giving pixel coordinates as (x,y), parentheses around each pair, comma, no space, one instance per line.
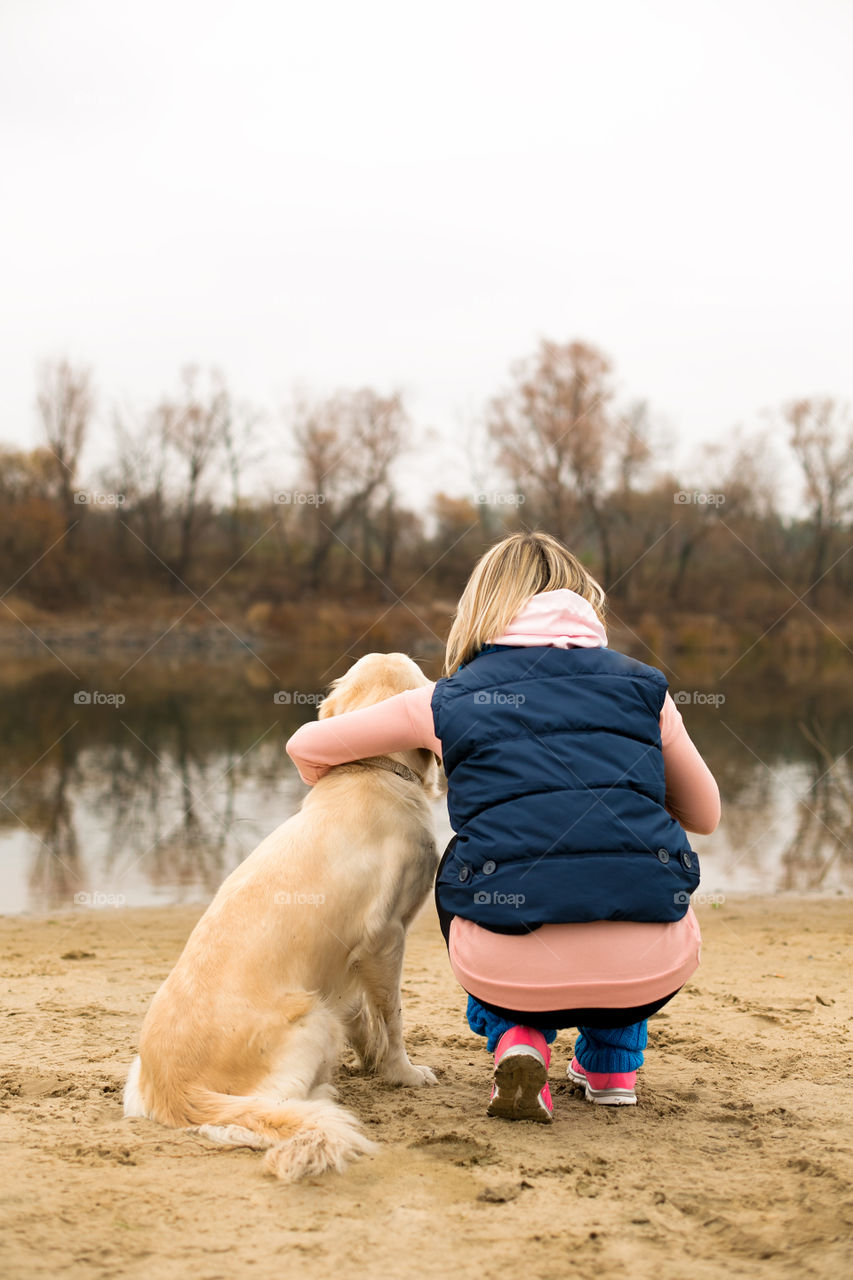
(156,799)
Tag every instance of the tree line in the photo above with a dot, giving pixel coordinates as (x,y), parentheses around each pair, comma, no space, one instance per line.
(174,509)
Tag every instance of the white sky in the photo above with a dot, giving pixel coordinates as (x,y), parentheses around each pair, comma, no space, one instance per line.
(396,195)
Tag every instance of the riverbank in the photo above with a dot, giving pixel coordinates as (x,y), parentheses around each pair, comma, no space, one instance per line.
(738,1160)
(178,628)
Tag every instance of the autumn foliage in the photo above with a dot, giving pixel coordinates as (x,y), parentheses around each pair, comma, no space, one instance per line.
(556,449)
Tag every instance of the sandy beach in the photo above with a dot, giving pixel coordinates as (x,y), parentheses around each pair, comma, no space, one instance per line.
(738,1161)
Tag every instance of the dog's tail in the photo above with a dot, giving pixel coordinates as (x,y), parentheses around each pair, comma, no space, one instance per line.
(302,1138)
(305,1138)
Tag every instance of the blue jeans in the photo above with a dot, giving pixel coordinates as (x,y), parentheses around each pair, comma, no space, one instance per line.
(605,1050)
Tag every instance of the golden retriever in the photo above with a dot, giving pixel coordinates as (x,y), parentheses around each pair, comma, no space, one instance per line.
(301,948)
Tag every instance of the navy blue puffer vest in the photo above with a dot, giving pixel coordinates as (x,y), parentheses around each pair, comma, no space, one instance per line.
(556,791)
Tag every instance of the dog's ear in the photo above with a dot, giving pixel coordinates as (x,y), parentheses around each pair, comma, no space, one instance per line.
(357,687)
(435,783)
(332,703)
(372,679)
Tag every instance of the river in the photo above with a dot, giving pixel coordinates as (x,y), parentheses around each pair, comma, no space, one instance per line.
(129,782)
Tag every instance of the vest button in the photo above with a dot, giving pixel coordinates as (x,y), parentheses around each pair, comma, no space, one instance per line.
(489,867)
(464,874)
(686,860)
(663,855)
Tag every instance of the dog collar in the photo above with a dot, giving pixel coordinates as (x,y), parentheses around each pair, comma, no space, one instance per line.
(385,762)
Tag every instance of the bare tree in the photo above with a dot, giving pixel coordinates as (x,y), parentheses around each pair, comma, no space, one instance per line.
(32,518)
(347,446)
(821,436)
(165,468)
(139,473)
(28,475)
(193,426)
(632,435)
(65,400)
(554,433)
(240,441)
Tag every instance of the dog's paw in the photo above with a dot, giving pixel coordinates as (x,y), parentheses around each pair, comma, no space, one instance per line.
(426,1075)
(411,1075)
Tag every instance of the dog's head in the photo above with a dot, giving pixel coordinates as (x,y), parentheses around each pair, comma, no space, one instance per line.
(372,679)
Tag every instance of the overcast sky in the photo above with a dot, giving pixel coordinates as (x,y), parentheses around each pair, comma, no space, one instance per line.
(413,195)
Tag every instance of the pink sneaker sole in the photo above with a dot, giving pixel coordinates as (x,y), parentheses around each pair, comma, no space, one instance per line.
(520,1090)
(610,1096)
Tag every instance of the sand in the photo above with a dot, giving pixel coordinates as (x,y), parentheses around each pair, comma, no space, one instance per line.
(737,1161)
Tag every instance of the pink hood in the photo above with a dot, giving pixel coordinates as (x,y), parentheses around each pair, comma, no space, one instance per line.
(560,618)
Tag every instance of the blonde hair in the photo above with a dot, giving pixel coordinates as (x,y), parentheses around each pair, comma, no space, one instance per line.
(503,580)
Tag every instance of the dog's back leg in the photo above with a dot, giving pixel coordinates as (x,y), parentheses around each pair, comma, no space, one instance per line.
(309,1053)
(134,1104)
(377,1029)
(367,1035)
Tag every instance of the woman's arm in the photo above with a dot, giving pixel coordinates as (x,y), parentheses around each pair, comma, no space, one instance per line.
(396,724)
(692,795)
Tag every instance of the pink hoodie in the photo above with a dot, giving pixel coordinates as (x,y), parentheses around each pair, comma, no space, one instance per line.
(605,964)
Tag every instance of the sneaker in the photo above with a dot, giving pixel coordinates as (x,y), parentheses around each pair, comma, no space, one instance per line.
(614,1090)
(520,1090)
